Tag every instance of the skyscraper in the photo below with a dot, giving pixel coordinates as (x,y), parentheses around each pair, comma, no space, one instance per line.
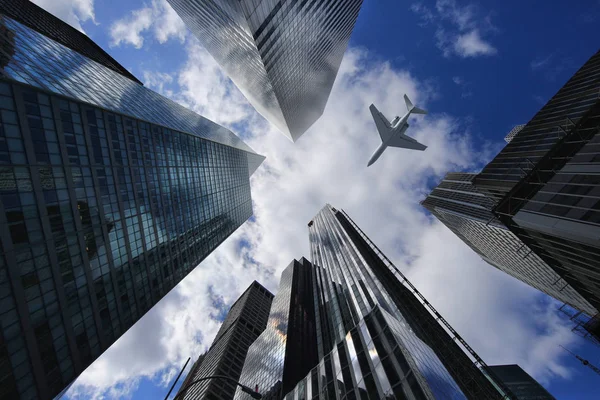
(546,183)
(246,319)
(523,386)
(110,195)
(366,331)
(282,55)
(287,349)
(467,213)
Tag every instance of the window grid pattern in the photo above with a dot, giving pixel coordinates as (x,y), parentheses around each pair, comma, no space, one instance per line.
(283,55)
(544,130)
(265,358)
(457,356)
(31,15)
(29,246)
(552,202)
(16,377)
(245,321)
(471,219)
(376,360)
(39,61)
(570,198)
(521,383)
(101,228)
(374,339)
(358,284)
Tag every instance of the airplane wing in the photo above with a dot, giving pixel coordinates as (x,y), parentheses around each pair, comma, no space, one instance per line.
(406,142)
(382,123)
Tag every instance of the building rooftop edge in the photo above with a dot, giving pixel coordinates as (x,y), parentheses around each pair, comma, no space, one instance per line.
(27,5)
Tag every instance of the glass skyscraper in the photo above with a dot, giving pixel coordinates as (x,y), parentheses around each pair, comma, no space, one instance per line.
(246,319)
(287,349)
(523,386)
(350,326)
(110,195)
(458,204)
(282,55)
(546,183)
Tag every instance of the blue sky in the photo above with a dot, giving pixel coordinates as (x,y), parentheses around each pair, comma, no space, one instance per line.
(479,68)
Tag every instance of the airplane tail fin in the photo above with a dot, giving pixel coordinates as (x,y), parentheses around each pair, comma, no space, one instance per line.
(411,108)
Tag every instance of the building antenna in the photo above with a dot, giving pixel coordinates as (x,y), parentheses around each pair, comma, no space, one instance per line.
(583,361)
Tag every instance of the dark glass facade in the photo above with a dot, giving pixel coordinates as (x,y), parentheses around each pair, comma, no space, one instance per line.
(546,183)
(340,245)
(468,213)
(110,195)
(521,383)
(245,321)
(549,126)
(282,55)
(33,58)
(376,337)
(287,349)
(35,17)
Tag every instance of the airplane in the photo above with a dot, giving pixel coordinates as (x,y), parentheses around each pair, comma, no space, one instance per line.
(392,134)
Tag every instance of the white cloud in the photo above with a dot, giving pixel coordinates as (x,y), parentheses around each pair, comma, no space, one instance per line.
(472,45)
(73,12)
(159,82)
(181,325)
(540,62)
(129,29)
(158,18)
(208,91)
(167,23)
(552,65)
(461,16)
(328,164)
(459,29)
(464,85)
(504,320)
(424,13)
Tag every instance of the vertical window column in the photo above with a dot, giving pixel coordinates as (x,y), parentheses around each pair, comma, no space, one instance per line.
(36,251)
(102,264)
(139,248)
(83,202)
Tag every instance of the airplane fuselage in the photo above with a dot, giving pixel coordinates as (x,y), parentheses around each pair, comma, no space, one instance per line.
(399,128)
(377,154)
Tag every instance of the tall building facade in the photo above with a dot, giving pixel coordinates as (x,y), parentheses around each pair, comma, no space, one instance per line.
(287,349)
(523,386)
(546,182)
(245,321)
(458,204)
(110,194)
(282,55)
(368,333)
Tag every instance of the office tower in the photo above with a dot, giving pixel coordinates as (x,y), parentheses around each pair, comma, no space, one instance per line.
(513,132)
(287,349)
(546,183)
(467,213)
(367,332)
(246,319)
(110,195)
(190,376)
(523,386)
(282,55)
